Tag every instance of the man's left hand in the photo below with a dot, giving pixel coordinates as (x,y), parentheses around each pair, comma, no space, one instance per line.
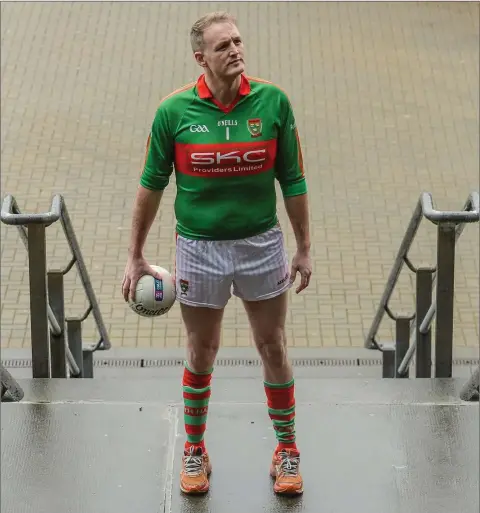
(302,264)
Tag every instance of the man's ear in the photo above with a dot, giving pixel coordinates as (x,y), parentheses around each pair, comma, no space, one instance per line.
(200,59)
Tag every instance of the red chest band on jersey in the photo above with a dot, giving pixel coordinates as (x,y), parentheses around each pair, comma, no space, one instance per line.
(227,159)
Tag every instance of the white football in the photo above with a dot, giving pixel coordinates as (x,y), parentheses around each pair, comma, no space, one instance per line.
(154,297)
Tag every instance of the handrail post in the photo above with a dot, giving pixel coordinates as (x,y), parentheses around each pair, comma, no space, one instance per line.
(445,300)
(87,363)
(57,342)
(393,354)
(37,266)
(423,364)
(402,341)
(74,337)
(388,360)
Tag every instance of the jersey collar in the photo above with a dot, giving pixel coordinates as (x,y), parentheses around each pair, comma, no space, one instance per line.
(205,93)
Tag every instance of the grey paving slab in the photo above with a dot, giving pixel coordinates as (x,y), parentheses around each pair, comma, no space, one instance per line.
(386,96)
(83,457)
(365,459)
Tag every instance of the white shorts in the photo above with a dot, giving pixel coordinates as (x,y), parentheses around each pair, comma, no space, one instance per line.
(208,272)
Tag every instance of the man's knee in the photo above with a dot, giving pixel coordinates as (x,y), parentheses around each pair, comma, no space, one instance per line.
(203,327)
(272,347)
(201,352)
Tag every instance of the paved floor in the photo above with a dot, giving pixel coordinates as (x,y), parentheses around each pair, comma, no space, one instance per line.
(376,446)
(386,96)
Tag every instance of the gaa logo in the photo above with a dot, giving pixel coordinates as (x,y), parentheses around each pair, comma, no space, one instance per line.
(198,128)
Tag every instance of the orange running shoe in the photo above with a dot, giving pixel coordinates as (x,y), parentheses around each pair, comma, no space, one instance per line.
(196,467)
(285,470)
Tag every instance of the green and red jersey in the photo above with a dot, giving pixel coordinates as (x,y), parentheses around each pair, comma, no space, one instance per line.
(226,159)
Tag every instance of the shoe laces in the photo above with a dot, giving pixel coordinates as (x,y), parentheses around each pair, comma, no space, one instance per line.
(193,462)
(289,463)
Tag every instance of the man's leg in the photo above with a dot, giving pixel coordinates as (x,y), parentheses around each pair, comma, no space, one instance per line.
(203,282)
(203,327)
(262,281)
(267,319)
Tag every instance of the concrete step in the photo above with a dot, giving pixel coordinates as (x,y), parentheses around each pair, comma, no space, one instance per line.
(114,445)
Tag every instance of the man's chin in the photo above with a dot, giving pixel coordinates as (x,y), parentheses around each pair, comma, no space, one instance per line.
(237,69)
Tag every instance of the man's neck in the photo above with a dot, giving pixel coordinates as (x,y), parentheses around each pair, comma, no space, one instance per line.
(224,92)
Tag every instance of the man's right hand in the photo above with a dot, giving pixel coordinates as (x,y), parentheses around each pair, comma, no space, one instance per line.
(135,269)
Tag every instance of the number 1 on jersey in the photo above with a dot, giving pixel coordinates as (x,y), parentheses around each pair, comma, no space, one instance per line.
(227,129)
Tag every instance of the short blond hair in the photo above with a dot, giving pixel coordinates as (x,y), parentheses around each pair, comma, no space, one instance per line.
(199,27)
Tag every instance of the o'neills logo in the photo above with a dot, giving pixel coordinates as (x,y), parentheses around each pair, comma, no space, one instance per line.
(229,159)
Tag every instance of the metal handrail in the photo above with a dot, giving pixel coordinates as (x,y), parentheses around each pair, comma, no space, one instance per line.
(10,385)
(471,389)
(424,208)
(55,327)
(11,215)
(74,368)
(469,213)
(427,320)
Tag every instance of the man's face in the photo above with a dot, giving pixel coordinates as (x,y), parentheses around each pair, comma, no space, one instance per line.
(222,51)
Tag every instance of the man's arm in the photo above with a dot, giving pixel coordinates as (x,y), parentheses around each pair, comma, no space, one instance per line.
(157,169)
(297,210)
(290,174)
(145,209)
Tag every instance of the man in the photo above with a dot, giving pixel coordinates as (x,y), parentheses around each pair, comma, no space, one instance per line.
(229,138)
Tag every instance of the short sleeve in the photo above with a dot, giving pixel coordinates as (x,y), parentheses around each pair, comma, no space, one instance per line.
(289,163)
(159,153)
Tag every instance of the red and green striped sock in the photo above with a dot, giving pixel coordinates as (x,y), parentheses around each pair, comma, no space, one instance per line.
(281,409)
(196,395)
